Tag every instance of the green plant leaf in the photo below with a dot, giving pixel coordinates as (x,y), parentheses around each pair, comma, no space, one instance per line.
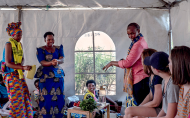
(88,105)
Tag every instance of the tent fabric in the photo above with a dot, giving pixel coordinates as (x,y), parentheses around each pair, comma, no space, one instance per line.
(5,18)
(85,3)
(180,19)
(69,25)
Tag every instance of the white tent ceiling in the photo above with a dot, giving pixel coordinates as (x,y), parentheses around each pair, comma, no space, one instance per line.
(86,3)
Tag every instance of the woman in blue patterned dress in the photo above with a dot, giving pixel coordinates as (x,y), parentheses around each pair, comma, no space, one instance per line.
(51,75)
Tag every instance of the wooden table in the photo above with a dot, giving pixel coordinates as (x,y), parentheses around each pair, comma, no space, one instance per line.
(87,113)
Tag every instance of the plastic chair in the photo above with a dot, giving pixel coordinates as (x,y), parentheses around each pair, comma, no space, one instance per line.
(3,112)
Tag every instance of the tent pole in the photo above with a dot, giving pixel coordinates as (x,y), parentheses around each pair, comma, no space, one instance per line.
(94,54)
(19,12)
(170,32)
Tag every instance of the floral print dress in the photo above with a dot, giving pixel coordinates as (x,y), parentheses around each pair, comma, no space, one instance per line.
(51,85)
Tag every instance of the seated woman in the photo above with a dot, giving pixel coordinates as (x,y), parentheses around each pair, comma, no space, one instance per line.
(151,105)
(92,93)
(36,96)
(36,92)
(170,92)
(179,67)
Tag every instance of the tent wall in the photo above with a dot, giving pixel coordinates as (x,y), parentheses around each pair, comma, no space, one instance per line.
(5,18)
(180,19)
(68,26)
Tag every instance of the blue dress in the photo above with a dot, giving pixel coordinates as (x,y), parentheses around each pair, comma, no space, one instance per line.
(51,85)
(3,94)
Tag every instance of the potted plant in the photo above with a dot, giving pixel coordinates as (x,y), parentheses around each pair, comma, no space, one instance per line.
(88,105)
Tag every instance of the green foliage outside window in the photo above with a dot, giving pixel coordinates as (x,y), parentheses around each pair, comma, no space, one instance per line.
(84,67)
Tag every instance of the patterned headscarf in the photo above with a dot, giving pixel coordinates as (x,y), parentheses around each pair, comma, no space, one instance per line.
(13,28)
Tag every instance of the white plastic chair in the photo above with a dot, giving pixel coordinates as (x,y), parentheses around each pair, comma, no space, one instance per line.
(3,112)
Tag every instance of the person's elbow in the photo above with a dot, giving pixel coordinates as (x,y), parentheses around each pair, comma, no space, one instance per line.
(43,63)
(126,64)
(8,63)
(155,103)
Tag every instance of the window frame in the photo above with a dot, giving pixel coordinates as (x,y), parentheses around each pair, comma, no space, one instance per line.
(94,51)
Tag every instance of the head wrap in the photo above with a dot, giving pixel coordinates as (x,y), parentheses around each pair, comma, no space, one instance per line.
(13,28)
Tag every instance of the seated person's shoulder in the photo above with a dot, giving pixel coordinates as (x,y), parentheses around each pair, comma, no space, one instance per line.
(173,89)
(87,95)
(157,79)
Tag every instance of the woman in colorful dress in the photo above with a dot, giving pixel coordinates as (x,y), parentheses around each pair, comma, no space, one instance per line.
(12,69)
(51,75)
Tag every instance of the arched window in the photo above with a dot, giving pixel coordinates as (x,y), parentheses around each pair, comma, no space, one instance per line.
(93,51)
